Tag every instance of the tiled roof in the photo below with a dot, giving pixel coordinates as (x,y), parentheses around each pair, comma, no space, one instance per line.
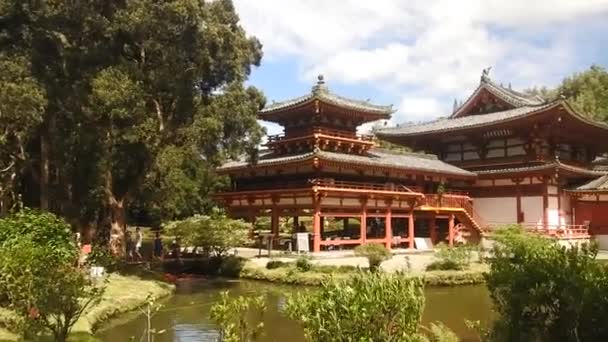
(322,93)
(599,184)
(547,166)
(471,121)
(512,97)
(375,157)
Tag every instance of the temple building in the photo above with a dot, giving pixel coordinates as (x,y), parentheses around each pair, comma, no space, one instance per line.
(536,161)
(502,157)
(320,171)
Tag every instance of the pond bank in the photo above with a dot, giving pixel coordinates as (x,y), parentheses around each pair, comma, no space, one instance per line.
(289,274)
(122,294)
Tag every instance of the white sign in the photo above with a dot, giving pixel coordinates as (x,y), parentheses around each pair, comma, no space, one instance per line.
(423,243)
(302,242)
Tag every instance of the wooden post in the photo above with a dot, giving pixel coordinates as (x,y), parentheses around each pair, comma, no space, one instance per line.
(451,230)
(388,226)
(274,226)
(363,231)
(410,227)
(433,229)
(296,224)
(316,225)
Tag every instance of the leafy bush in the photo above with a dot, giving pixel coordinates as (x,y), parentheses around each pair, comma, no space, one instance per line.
(234,317)
(272,264)
(303,264)
(231,266)
(545,292)
(102,256)
(368,307)
(214,234)
(43,288)
(451,258)
(43,229)
(375,253)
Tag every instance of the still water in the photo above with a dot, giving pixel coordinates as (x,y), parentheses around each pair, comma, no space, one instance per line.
(185,316)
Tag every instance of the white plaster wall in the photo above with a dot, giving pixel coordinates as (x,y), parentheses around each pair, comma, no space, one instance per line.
(602,241)
(552,190)
(553,203)
(497,210)
(532,208)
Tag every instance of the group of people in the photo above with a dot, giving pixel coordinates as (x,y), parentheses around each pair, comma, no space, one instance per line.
(134,246)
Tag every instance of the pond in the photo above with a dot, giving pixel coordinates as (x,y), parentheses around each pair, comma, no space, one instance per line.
(185,316)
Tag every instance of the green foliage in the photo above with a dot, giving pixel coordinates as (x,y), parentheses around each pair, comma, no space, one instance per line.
(272,264)
(303,264)
(368,307)
(375,253)
(545,292)
(231,266)
(451,258)
(136,102)
(103,257)
(43,288)
(239,319)
(44,229)
(215,233)
(587,92)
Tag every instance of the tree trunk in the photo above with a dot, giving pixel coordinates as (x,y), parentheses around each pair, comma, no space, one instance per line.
(118,226)
(44,170)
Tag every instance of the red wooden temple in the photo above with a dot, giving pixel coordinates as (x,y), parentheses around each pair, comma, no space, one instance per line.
(538,163)
(321,168)
(502,157)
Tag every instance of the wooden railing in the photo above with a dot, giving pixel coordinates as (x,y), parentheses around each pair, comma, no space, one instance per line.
(328,182)
(559,231)
(323,131)
(449,201)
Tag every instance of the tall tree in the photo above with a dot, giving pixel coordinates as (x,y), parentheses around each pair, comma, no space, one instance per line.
(139,94)
(588,92)
(22,103)
(175,91)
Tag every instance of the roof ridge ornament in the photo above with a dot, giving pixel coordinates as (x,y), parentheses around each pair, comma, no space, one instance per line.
(485,75)
(320,87)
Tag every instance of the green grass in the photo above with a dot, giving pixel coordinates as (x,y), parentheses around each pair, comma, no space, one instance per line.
(288,274)
(122,294)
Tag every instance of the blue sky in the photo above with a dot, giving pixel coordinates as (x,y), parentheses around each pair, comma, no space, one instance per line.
(419,55)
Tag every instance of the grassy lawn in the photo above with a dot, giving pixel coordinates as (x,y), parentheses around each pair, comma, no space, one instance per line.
(122,294)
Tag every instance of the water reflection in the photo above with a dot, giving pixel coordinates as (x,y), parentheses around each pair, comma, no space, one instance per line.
(185,316)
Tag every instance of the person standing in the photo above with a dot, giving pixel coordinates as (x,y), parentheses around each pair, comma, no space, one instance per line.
(158,246)
(138,242)
(129,243)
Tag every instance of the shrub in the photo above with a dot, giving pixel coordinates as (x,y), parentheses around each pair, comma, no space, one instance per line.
(544,292)
(303,264)
(272,264)
(234,317)
(367,307)
(102,256)
(43,288)
(451,258)
(231,266)
(375,253)
(43,229)
(214,234)
(331,269)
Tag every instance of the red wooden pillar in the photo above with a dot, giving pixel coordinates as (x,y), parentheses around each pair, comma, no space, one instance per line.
(410,230)
(388,226)
(433,229)
(316,226)
(363,231)
(451,230)
(274,223)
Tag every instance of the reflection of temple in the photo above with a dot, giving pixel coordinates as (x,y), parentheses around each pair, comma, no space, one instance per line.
(534,160)
(320,168)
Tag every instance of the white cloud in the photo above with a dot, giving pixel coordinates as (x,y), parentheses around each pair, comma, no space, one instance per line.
(424,51)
